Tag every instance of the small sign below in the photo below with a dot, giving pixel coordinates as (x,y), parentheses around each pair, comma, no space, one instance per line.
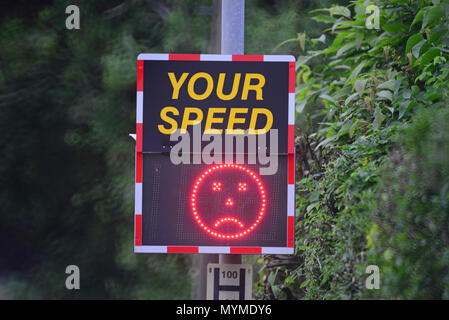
(229,281)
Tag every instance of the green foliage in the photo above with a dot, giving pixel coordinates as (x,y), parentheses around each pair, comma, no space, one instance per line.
(354,92)
(264,26)
(186,27)
(410,233)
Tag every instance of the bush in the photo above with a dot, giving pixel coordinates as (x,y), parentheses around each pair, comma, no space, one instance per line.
(356,88)
(410,236)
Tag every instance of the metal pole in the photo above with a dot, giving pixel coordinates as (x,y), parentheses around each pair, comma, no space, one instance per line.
(201,261)
(232,26)
(232,42)
(227,37)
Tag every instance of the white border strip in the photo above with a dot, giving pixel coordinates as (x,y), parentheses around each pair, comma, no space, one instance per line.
(291,108)
(148,249)
(277,250)
(152,56)
(138,198)
(206,249)
(291,200)
(214,249)
(139,109)
(278,58)
(216,57)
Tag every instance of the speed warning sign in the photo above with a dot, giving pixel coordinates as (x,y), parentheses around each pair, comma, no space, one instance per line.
(215,154)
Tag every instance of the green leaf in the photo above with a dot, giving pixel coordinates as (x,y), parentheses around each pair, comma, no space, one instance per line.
(432,96)
(430,55)
(345,128)
(346,47)
(311,207)
(329,98)
(419,16)
(406,94)
(406,106)
(284,42)
(300,106)
(276,291)
(321,39)
(378,118)
(325,142)
(304,59)
(325,278)
(434,37)
(324,18)
(390,84)
(302,40)
(357,70)
(434,14)
(417,48)
(350,98)
(423,76)
(359,85)
(359,39)
(340,94)
(395,27)
(397,85)
(385,94)
(341,11)
(412,41)
(305,283)
(272,278)
(352,130)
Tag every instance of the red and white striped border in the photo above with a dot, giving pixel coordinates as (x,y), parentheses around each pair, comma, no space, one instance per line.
(289,249)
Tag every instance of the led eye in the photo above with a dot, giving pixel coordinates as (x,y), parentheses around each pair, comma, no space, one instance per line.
(216,186)
(242,186)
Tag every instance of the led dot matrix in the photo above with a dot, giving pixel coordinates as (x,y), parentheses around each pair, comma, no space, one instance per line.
(217,186)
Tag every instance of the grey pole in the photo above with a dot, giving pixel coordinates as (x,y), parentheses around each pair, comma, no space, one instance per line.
(232,42)
(232,26)
(227,37)
(200,262)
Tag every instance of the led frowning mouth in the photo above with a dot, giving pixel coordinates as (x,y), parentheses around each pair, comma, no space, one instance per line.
(228,220)
(216,186)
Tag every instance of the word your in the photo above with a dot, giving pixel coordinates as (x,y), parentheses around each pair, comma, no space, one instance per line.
(73,280)
(213,152)
(373,280)
(73,20)
(247,86)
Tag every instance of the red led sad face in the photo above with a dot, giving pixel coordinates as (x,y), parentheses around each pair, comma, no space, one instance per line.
(228,201)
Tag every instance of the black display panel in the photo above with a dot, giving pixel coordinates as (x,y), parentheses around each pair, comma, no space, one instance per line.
(226,199)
